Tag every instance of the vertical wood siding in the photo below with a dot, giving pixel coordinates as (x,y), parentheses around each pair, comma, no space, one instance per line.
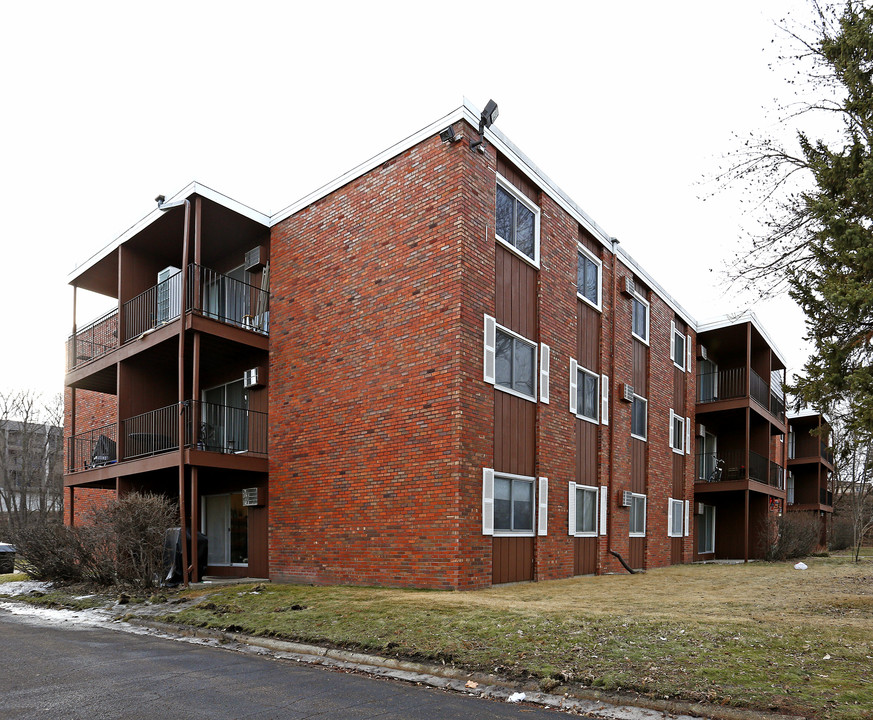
(585,556)
(512,559)
(637,552)
(587,336)
(521,183)
(514,434)
(516,293)
(586,452)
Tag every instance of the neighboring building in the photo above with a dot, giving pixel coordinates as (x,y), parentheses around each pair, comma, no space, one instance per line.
(810,466)
(31,475)
(436,371)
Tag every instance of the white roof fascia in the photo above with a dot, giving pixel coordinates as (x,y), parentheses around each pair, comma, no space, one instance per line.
(193,188)
(798,414)
(367,165)
(737,319)
(633,265)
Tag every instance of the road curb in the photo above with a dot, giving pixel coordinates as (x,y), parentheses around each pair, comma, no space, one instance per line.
(575,700)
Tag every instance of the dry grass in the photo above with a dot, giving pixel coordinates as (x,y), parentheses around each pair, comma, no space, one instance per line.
(762,635)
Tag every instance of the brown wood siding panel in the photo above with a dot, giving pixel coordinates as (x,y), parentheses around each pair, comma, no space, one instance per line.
(679,379)
(587,336)
(518,180)
(586,452)
(585,556)
(638,466)
(512,559)
(637,552)
(586,239)
(514,434)
(640,354)
(515,304)
(679,475)
(676,551)
(258,554)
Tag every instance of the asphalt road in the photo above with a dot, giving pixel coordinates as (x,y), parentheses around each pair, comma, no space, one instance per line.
(73,671)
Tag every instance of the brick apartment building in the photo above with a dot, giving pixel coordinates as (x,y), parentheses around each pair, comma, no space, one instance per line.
(437,371)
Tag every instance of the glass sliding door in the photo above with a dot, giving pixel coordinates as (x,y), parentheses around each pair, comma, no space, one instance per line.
(225,524)
(225,418)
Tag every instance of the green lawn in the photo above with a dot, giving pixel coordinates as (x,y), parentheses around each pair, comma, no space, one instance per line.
(762,635)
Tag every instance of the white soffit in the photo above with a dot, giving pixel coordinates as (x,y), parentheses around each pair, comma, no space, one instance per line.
(738,319)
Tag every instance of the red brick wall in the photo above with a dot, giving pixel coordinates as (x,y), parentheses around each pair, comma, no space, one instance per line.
(86,501)
(366,379)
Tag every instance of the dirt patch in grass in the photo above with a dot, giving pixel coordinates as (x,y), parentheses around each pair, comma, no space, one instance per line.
(761,635)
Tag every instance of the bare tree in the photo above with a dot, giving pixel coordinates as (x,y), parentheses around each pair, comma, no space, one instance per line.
(31,458)
(853,481)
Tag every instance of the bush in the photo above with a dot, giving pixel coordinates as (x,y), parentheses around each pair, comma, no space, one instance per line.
(121,543)
(791,535)
(842,534)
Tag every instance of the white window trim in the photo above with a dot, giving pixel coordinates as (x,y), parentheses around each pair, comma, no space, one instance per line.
(597,261)
(645,516)
(641,437)
(516,533)
(598,511)
(674,332)
(574,403)
(491,360)
(604,399)
(687,435)
(674,506)
(545,365)
(682,434)
(688,353)
(515,192)
(645,302)
(542,504)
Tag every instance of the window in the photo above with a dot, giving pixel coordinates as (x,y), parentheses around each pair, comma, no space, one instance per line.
(637,521)
(224,418)
(588,277)
(640,328)
(518,221)
(510,361)
(587,388)
(513,504)
(677,433)
(707,381)
(586,510)
(224,520)
(675,518)
(789,488)
(677,349)
(706,531)
(639,412)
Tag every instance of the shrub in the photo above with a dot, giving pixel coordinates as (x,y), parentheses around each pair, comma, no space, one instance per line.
(121,543)
(791,535)
(842,534)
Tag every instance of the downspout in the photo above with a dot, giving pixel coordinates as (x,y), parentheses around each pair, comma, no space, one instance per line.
(164,206)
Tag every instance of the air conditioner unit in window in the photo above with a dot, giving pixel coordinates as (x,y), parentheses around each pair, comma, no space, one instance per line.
(629,288)
(701,353)
(254,377)
(626,498)
(700,430)
(256,258)
(250,497)
(628,393)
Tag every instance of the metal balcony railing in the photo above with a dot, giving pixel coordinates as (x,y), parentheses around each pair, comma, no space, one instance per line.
(92,448)
(227,299)
(151,433)
(209,293)
(730,384)
(826,497)
(738,465)
(158,305)
(759,391)
(220,428)
(93,340)
(225,429)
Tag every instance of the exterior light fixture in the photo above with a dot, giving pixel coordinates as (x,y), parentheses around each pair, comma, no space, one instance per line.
(449,136)
(486,120)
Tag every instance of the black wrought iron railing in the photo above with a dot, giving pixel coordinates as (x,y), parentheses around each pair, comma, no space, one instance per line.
(738,465)
(227,299)
(777,476)
(151,433)
(721,385)
(92,448)
(158,305)
(826,497)
(759,391)
(225,429)
(93,340)
(777,406)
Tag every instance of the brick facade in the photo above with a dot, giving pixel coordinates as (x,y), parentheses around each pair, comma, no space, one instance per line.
(381,423)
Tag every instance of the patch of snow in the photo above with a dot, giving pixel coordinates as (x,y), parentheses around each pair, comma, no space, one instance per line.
(516,697)
(23,587)
(801,566)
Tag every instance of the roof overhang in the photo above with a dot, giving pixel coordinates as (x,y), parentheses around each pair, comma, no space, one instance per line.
(747,316)
(189,191)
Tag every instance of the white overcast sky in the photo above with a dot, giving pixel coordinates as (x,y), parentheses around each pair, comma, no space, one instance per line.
(625,105)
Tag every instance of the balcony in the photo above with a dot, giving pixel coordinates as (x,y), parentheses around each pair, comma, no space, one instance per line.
(730,384)
(735,465)
(93,340)
(826,497)
(805,447)
(219,429)
(209,293)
